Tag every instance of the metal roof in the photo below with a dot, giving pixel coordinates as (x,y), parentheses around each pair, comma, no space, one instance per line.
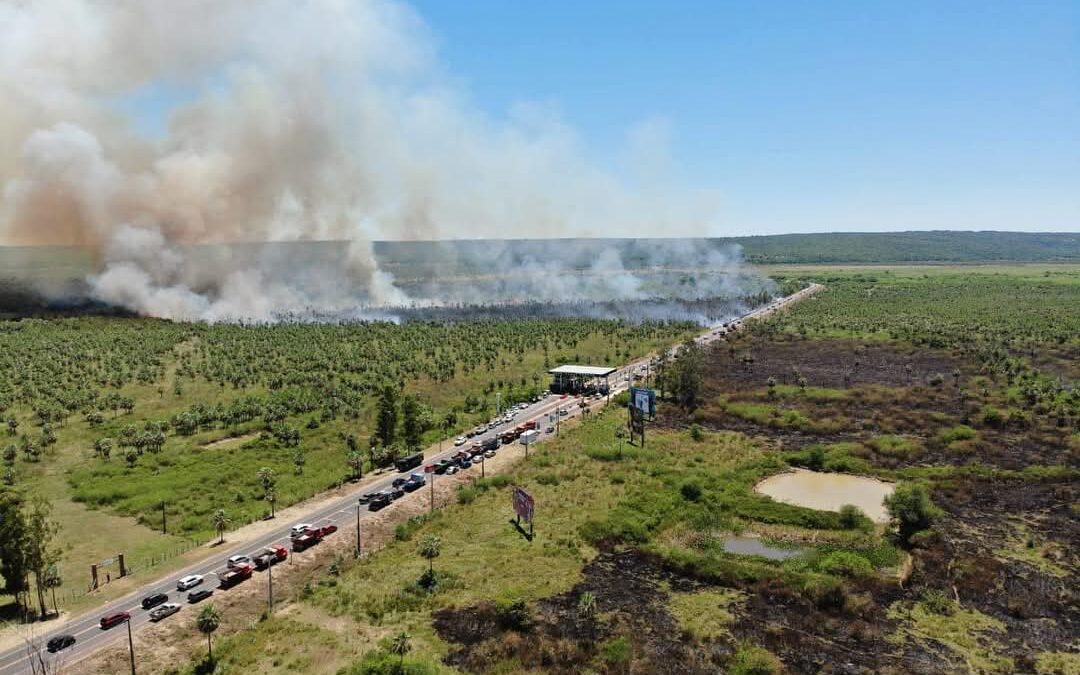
(591,371)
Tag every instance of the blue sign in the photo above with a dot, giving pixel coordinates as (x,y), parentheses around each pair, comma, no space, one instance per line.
(644,400)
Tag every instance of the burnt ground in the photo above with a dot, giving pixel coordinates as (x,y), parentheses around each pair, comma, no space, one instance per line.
(841,634)
(1004,547)
(888,390)
(1009,549)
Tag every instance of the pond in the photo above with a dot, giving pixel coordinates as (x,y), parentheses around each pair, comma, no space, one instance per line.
(828,491)
(754,546)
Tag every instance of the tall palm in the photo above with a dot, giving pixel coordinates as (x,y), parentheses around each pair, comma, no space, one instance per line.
(430,547)
(221,521)
(401,644)
(207,622)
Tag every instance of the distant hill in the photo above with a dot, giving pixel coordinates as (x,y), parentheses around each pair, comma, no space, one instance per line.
(893,247)
(413,260)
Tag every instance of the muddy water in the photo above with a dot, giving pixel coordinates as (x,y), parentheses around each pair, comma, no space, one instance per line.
(828,491)
(754,546)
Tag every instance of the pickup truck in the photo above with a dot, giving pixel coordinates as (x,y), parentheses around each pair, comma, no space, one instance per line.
(415,482)
(270,556)
(232,577)
(313,536)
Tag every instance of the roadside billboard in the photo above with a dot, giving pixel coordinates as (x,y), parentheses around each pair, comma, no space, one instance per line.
(644,400)
(523,504)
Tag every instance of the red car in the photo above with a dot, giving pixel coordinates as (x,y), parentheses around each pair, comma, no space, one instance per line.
(114,620)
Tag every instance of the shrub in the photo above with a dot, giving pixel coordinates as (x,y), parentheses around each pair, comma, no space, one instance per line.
(617,650)
(697,433)
(910,509)
(991,417)
(937,602)
(960,432)
(466,494)
(852,517)
(513,614)
(690,491)
(846,564)
(753,660)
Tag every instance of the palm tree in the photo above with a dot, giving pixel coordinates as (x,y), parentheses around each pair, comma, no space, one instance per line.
(401,644)
(355,460)
(269,483)
(430,547)
(207,622)
(221,521)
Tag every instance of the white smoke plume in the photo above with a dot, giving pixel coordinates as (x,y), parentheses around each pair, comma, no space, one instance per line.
(300,120)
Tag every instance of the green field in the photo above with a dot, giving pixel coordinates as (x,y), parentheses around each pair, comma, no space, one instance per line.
(163,393)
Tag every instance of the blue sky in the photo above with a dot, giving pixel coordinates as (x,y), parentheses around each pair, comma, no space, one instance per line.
(805,116)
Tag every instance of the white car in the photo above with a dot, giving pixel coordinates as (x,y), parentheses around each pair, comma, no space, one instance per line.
(460,440)
(299,529)
(238,561)
(190,581)
(489,454)
(452,469)
(168,609)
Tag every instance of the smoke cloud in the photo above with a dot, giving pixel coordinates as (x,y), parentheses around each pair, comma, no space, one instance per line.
(295,121)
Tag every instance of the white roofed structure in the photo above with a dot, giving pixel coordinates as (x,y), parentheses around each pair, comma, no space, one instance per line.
(585,371)
(581,379)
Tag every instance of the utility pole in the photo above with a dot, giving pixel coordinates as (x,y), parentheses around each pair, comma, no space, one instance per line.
(498,403)
(270,584)
(357,530)
(432,483)
(483,461)
(131,646)
(558,419)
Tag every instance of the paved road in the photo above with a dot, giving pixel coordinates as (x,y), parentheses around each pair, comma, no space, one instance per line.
(341,512)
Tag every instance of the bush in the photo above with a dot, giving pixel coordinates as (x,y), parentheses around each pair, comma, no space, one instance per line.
(852,517)
(382,662)
(846,564)
(466,494)
(960,432)
(513,614)
(697,433)
(937,602)
(617,650)
(753,660)
(690,491)
(910,509)
(992,417)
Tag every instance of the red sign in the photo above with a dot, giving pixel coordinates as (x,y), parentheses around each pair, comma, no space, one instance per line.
(523,504)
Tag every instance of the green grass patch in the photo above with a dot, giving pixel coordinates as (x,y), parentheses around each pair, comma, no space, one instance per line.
(969,634)
(706,614)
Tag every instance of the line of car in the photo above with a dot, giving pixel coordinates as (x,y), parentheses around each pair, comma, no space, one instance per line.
(304,535)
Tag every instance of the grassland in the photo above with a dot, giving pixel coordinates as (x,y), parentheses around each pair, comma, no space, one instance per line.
(78,380)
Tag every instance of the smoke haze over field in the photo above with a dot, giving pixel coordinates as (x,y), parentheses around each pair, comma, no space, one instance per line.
(301,121)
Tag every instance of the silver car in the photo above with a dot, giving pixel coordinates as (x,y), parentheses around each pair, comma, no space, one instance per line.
(168,609)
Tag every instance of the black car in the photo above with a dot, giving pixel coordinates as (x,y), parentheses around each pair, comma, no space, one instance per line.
(379,501)
(59,642)
(367,497)
(396,493)
(199,595)
(398,482)
(442,465)
(491,443)
(152,601)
